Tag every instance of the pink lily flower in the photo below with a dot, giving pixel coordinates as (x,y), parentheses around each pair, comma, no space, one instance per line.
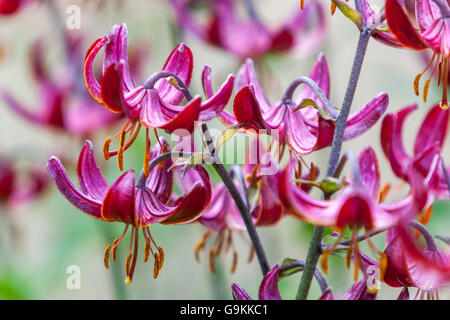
(17,188)
(304,130)
(407,265)
(137,205)
(356,203)
(429,141)
(303,32)
(61,104)
(268,290)
(433,20)
(157,102)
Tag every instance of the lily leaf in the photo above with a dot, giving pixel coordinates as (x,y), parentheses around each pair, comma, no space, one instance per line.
(287,273)
(307,102)
(228,133)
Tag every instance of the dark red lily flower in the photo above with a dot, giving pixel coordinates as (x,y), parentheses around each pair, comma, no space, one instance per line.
(16,187)
(408,265)
(268,290)
(304,130)
(138,205)
(250,37)
(433,20)
(157,102)
(62,103)
(357,203)
(428,143)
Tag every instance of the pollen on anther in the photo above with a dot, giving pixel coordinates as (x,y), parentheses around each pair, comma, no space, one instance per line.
(106,148)
(128,264)
(106,258)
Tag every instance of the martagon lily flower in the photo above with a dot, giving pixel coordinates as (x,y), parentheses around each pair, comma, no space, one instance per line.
(433,20)
(304,129)
(137,205)
(356,205)
(9,7)
(268,289)
(250,37)
(17,187)
(408,265)
(63,103)
(157,102)
(429,142)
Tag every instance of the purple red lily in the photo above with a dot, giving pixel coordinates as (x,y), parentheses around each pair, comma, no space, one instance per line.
(433,20)
(408,265)
(9,7)
(138,205)
(304,130)
(18,187)
(157,102)
(250,37)
(62,104)
(268,290)
(429,141)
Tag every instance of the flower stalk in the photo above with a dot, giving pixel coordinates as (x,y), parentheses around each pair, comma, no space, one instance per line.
(314,250)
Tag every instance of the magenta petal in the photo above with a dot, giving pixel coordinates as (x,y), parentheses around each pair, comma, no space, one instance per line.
(362,120)
(359,291)
(432,130)
(84,203)
(327,295)
(299,137)
(247,76)
(268,289)
(91,180)
(118,204)
(321,75)
(91,82)
(427,12)
(216,103)
(370,174)
(206,82)
(160,179)
(214,216)
(248,110)
(392,143)
(181,63)
(239,293)
(116,51)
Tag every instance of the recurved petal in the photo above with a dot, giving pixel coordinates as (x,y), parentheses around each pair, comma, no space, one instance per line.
(401,27)
(84,203)
(247,76)
(181,63)
(432,130)
(321,75)
(160,179)
(217,102)
(91,180)
(362,120)
(91,82)
(156,113)
(370,173)
(427,12)
(119,202)
(248,110)
(392,142)
(221,203)
(268,289)
(239,293)
(116,51)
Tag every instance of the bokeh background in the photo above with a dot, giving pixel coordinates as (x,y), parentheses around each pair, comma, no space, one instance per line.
(40,240)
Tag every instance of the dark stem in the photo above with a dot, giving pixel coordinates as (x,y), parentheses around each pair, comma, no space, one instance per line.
(223,173)
(315,246)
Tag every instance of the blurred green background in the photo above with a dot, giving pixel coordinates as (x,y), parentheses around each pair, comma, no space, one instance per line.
(50,235)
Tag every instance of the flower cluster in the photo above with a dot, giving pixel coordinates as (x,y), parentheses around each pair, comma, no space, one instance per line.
(275,181)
